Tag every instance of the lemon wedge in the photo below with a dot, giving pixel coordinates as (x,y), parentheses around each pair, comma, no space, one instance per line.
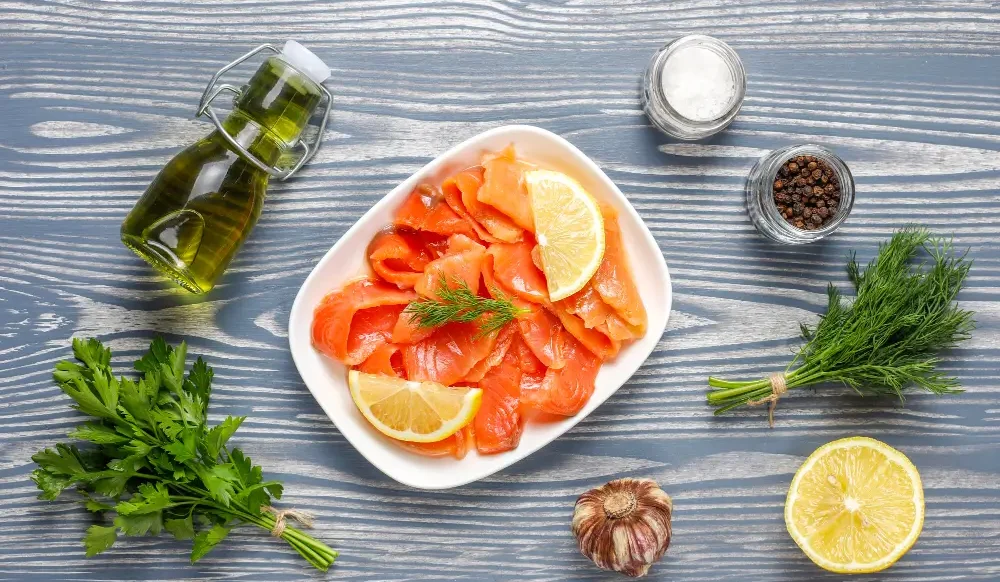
(418,412)
(855,506)
(569,229)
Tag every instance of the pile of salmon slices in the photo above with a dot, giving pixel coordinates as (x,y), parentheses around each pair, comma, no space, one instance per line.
(442,390)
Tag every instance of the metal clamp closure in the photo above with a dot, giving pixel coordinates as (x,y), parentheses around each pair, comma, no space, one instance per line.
(212,91)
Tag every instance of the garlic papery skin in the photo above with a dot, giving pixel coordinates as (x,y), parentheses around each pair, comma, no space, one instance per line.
(623,525)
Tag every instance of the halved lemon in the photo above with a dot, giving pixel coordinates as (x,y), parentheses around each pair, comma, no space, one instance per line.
(569,229)
(418,412)
(855,506)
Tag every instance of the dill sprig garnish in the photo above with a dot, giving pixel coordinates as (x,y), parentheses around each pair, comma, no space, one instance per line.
(885,341)
(456,303)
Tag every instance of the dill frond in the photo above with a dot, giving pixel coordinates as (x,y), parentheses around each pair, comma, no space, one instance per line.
(456,303)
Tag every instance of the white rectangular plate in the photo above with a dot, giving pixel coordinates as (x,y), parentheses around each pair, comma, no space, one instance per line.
(327,379)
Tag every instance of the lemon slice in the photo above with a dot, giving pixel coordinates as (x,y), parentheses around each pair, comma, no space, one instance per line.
(855,506)
(569,230)
(418,412)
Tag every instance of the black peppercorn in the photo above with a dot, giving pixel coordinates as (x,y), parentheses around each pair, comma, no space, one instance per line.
(806,192)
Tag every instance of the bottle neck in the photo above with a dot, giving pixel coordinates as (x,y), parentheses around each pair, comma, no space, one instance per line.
(273,110)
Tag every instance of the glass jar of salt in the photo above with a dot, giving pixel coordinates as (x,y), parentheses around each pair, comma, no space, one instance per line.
(694,87)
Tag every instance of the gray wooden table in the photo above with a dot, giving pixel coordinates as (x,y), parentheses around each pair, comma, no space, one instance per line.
(95,96)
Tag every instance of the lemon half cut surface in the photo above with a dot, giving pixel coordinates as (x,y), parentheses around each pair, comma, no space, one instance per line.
(855,506)
(419,412)
(569,229)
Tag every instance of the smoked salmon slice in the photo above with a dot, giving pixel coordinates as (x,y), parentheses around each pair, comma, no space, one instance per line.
(498,423)
(387,359)
(463,261)
(594,340)
(588,306)
(425,209)
(448,354)
(371,328)
(457,445)
(461,192)
(350,324)
(453,189)
(504,338)
(613,280)
(540,329)
(398,257)
(503,187)
(617,328)
(407,331)
(544,334)
(513,268)
(532,369)
(566,390)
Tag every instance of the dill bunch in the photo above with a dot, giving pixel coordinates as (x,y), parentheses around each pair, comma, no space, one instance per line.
(456,303)
(883,342)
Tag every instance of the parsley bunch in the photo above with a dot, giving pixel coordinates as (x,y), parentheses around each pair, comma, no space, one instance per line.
(153,460)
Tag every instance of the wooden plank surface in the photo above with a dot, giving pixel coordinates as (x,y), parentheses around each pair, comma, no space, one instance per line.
(96,95)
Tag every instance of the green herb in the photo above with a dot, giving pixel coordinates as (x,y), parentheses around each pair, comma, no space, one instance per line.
(154,462)
(456,303)
(886,340)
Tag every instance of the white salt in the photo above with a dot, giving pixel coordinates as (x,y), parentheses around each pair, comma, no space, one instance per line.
(698,83)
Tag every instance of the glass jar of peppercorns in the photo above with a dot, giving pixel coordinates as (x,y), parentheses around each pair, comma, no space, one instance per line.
(799,194)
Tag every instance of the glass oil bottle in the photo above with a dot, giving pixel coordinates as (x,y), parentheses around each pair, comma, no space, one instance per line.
(195,215)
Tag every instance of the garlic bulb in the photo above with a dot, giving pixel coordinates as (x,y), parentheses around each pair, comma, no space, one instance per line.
(624,525)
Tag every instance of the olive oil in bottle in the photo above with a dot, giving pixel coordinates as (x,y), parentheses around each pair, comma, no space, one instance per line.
(195,215)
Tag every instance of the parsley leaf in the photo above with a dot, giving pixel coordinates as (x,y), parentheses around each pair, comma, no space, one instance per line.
(216,439)
(98,433)
(183,449)
(99,538)
(150,499)
(140,524)
(183,529)
(206,540)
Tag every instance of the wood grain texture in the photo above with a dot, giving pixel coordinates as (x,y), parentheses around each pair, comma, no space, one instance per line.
(96,95)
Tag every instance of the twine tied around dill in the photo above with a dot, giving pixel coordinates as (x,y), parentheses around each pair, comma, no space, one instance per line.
(778,389)
(303,517)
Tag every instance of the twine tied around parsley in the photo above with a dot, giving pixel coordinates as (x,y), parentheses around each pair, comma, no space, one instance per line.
(303,517)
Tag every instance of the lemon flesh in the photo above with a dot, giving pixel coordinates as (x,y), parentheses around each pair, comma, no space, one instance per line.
(855,506)
(569,229)
(419,412)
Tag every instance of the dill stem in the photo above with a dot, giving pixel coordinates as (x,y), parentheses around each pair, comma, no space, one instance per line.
(730,392)
(733,389)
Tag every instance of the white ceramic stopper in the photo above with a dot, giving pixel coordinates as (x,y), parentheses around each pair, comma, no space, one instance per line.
(305,61)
